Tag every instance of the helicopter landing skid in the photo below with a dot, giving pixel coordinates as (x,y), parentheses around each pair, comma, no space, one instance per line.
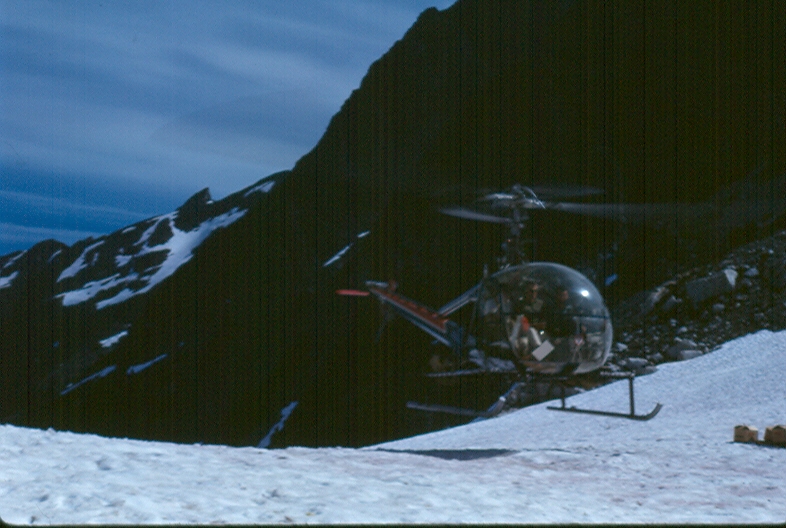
(448,409)
(630,416)
(496,408)
(456,373)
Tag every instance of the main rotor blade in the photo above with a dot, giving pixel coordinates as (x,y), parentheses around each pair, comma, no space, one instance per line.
(553,191)
(541,191)
(624,212)
(565,191)
(601,210)
(461,212)
(634,212)
(498,196)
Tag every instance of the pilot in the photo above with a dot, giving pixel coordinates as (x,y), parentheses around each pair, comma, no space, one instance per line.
(565,327)
(560,317)
(531,304)
(494,310)
(527,321)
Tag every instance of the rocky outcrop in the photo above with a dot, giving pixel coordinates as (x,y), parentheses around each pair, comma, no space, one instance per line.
(691,314)
(710,287)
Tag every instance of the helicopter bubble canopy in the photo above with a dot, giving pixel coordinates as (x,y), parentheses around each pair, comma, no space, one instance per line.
(548,317)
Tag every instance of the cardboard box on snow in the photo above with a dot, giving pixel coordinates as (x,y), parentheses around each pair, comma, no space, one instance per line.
(775,435)
(746,433)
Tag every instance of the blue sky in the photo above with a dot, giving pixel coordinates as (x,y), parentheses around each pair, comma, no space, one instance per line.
(115,111)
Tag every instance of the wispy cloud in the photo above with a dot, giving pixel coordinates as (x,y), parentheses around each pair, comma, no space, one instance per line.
(67,207)
(182,94)
(92,85)
(59,206)
(14,235)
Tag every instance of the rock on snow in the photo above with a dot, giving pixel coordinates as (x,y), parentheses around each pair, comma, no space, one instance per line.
(528,466)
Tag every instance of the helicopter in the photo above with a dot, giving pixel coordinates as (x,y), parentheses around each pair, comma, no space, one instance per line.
(534,322)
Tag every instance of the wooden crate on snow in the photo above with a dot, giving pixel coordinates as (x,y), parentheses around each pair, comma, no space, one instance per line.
(746,433)
(775,435)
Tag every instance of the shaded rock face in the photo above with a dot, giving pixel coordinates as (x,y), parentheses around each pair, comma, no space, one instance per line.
(699,290)
(71,319)
(675,327)
(195,211)
(524,93)
(229,307)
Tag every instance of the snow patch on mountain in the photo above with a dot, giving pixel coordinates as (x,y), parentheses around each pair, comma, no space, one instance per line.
(136,369)
(5,282)
(13,259)
(335,258)
(113,340)
(343,251)
(100,374)
(177,250)
(122,259)
(143,240)
(80,263)
(93,288)
(263,187)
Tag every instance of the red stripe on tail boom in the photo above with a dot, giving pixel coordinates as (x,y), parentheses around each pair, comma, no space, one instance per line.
(430,317)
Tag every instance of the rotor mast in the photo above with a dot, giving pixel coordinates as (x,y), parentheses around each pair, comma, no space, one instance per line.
(516,201)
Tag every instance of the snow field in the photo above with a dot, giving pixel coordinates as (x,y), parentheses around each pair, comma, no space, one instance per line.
(528,466)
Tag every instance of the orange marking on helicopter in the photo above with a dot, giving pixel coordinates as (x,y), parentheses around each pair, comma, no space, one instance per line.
(353,293)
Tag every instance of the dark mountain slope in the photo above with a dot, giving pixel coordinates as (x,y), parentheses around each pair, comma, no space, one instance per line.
(229,307)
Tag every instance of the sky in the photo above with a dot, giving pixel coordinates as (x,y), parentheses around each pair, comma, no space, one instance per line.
(528,466)
(112,112)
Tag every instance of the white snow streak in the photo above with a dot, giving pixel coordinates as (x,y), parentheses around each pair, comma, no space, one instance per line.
(335,258)
(101,374)
(5,282)
(263,187)
(121,259)
(343,251)
(279,426)
(93,288)
(169,217)
(14,259)
(79,264)
(136,369)
(113,340)
(529,466)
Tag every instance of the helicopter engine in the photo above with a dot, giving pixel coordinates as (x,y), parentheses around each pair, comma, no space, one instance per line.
(547,317)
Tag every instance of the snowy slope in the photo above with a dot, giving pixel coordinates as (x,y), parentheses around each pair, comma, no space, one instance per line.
(175,251)
(132,261)
(532,465)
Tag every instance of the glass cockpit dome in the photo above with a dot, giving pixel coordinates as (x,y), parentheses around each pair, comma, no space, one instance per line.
(548,317)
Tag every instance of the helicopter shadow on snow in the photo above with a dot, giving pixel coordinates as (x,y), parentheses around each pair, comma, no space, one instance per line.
(455,454)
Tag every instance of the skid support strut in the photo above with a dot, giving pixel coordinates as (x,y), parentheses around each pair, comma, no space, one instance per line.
(631,415)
